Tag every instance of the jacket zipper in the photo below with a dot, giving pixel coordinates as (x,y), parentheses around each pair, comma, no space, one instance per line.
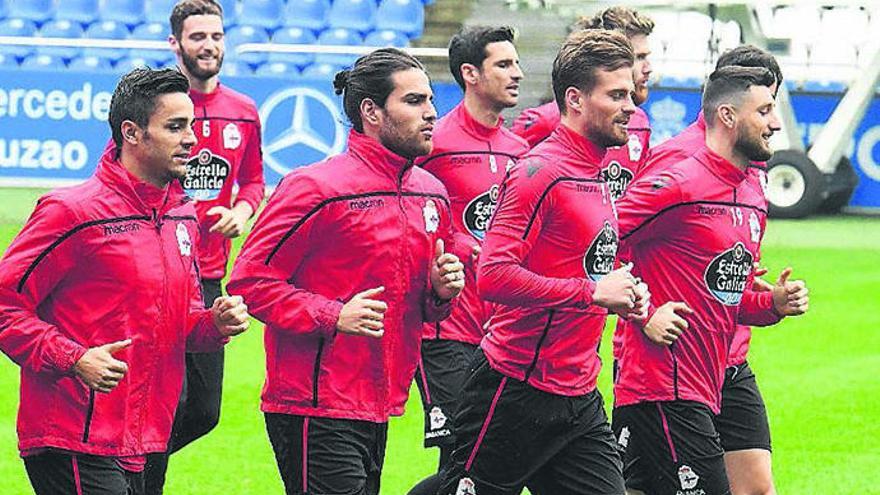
(89,412)
(532,366)
(674,371)
(316,372)
(162,324)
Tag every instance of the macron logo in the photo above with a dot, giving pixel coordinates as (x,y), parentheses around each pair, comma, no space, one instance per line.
(121,228)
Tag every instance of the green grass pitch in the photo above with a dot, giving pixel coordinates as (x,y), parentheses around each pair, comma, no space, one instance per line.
(817,374)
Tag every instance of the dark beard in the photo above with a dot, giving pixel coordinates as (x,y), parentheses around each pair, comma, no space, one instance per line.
(192,66)
(752,149)
(390,138)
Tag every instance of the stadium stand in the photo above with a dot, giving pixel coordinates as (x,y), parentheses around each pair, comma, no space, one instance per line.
(60,28)
(307,14)
(84,12)
(357,15)
(824,45)
(90,64)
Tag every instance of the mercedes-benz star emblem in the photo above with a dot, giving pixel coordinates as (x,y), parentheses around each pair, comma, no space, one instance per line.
(314,131)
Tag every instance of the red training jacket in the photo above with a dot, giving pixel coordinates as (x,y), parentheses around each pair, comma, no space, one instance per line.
(228,153)
(471,160)
(362,219)
(675,150)
(553,236)
(96,264)
(621,163)
(692,232)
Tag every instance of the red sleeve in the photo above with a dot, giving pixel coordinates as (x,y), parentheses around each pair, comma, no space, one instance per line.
(756,309)
(271,255)
(39,259)
(532,126)
(501,276)
(251,184)
(203,334)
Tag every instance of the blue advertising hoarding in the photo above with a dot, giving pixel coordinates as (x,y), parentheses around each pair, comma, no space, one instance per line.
(53,125)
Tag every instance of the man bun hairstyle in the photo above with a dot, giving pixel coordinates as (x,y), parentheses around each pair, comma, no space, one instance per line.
(186,8)
(584,52)
(468,46)
(623,19)
(134,98)
(728,85)
(371,77)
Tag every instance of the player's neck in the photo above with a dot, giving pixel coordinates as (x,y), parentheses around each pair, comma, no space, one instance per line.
(204,86)
(724,145)
(138,169)
(481,111)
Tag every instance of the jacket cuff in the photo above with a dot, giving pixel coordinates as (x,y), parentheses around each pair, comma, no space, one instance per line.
(65,354)
(586,295)
(437,309)
(327,316)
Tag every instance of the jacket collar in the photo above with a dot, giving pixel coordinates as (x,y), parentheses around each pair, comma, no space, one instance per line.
(584,149)
(378,158)
(719,166)
(472,126)
(701,121)
(144,197)
(199,98)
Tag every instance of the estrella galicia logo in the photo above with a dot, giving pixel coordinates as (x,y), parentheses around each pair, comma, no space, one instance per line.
(618,178)
(205,175)
(599,260)
(479,211)
(726,275)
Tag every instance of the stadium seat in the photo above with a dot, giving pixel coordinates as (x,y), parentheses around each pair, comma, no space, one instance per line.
(321,71)
(293,36)
(233,68)
(795,22)
(8,62)
(267,14)
(60,29)
(4,9)
(129,12)
(107,30)
(231,12)
(158,10)
(84,12)
(824,86)
(405,16)
(680,82)
(358,15)
(90,64)
(32,10)
(338,37)
(278,69)
(127,64)
(240,35)
(308,14)
(386,38)
(151,31)
(43,62)
(17,27)
(848,23)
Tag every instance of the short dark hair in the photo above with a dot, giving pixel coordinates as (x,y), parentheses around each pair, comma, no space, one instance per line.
(729,84)
(186,8)
(628,21)
(135,97)
(582,53)
(370,77)
(750,56)
(468,46)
